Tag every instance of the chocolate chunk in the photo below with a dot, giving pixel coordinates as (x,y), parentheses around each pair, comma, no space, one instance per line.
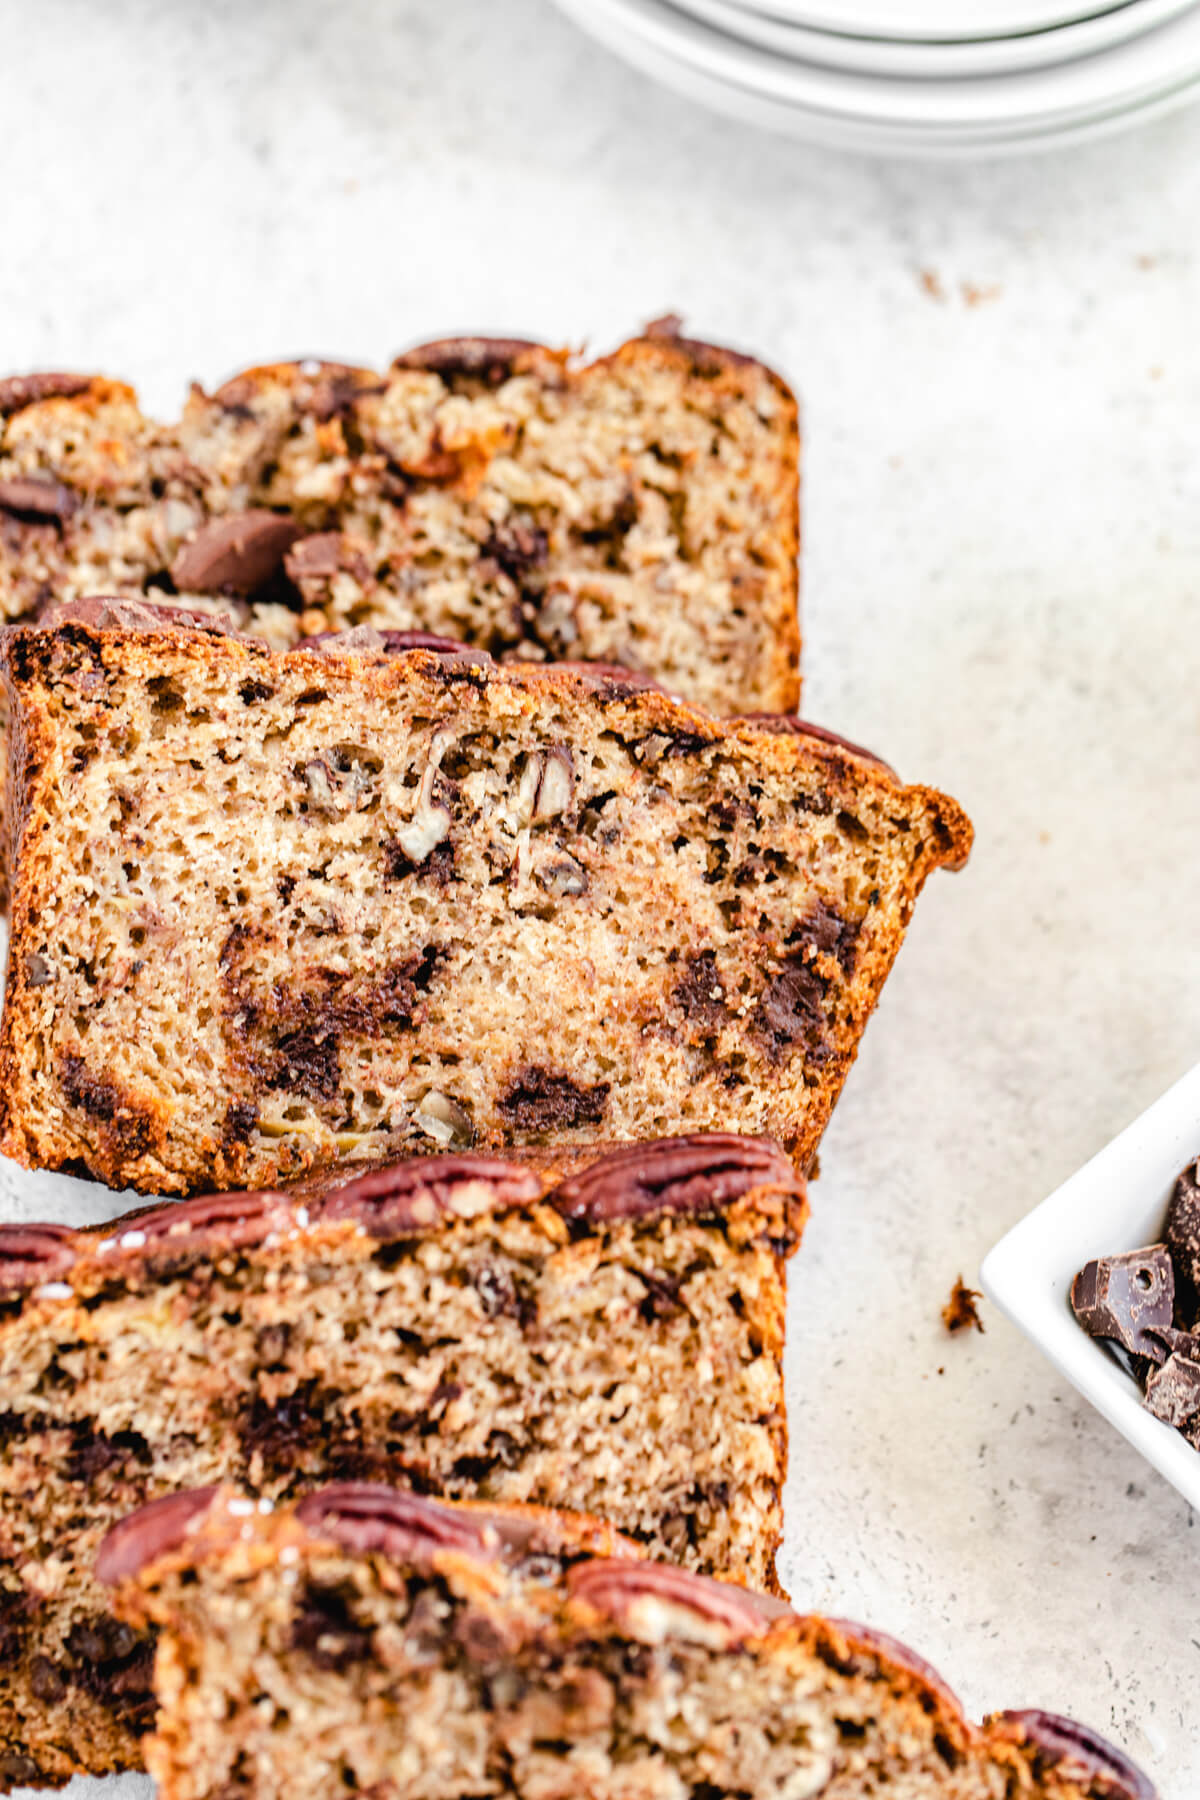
(664,1297)
(1126,1297)
(37,497)
(826,930)
(792,1008)
(32,1254)
(1173,1392)
(491,360)
(369,1518)
(19,1770)
(315,558)
(133,615)
(699,993)
(415,1194)
(20,391)
(236,555)
(615,1588)
(149,1533)
(327,1632)
(127,1125)
(437,867)
(696,1174)
(541,1099)
(46,1681)
(497,1292)
(94,1452)
(517,548)
(1079,1755)
(1182,1236)
(281,1434)
(307,1062)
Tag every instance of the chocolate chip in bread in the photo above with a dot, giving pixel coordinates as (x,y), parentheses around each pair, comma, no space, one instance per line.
(599,1330)
(639,509)
(277,911)
(372,1642)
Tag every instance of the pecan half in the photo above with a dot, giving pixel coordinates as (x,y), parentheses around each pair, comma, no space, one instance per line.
(232,1221)
(695,1174)
(489,359)
(621,1590)
(414,1195)
(1078,1754)
(844,1648)
(31,1254)
(368,1517)
(152,1531)
(19,391)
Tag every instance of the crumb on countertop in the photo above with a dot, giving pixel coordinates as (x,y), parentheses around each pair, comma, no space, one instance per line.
(961,1311)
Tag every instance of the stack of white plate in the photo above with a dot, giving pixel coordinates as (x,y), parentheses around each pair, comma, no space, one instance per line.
(926,77)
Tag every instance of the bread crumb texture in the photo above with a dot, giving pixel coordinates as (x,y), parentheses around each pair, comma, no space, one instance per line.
(345,1649)
(276,911)
(641,509)
(528,1349)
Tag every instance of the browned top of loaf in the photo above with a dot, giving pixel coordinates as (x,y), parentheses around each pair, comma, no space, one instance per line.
(706,1175)
(777,744)
(71,444)
(53,674)
(607,1585)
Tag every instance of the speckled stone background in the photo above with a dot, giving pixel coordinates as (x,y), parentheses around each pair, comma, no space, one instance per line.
(1001,373)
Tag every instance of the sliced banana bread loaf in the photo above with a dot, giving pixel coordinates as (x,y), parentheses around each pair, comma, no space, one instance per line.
(371,1642)
(639,509)
(599,1331)
(274,911)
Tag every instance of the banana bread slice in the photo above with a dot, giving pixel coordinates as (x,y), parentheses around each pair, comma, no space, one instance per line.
(372,1642)
(600,1331)
(639,509)
(275,911)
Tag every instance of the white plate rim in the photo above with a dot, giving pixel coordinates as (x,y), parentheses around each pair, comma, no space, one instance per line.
(936,21)
(867,138)
(1146,65)
(936,61)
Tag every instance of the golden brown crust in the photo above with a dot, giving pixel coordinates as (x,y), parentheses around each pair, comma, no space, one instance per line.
(457,1322)
(196,1567)
(141,489)
(728,371)
(129,1133)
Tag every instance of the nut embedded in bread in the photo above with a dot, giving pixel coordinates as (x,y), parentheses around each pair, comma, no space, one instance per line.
(272,912)
(595,1331)
(373,1642)
(639,509)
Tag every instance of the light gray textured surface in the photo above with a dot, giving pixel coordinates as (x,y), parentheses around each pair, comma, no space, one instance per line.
(1001,374)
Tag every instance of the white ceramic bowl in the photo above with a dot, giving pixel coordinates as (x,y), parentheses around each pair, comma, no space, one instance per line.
(1040,108)
(916,59)
(1116,1202)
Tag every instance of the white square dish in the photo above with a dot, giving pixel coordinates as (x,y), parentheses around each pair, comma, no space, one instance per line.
(1118,1201)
